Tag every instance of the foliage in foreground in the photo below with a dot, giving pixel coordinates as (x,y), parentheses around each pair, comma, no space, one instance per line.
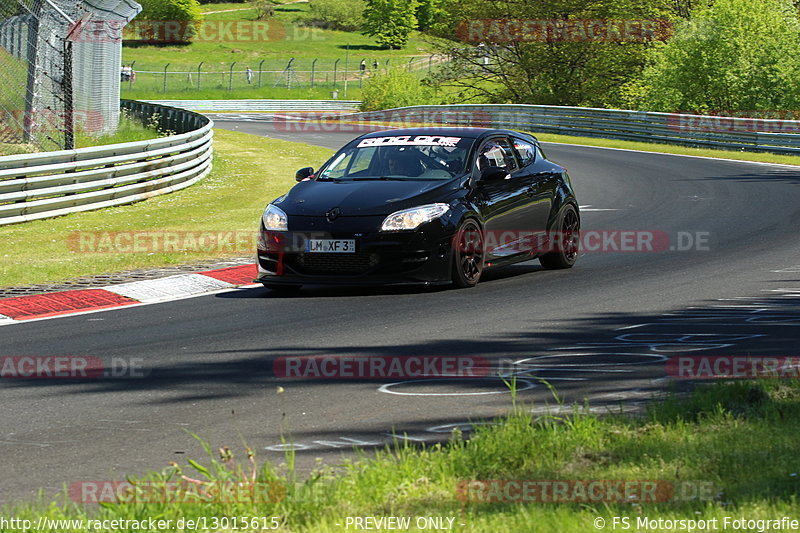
(737,438)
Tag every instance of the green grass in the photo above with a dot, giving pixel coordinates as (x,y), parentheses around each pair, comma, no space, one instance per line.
(129,130)
(16,149)
(231,198)
(736,443)
(288,39)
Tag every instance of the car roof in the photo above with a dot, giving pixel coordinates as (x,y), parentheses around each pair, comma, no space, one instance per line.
(454,131)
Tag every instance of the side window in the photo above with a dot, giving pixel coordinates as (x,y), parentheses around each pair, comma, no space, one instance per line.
(526,151)
(496,153)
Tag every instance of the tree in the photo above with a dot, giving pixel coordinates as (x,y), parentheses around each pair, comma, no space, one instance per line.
(737,55)
(428,13)
(390,21)
(584,64)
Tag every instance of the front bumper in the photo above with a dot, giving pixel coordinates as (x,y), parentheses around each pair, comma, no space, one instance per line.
(421,256)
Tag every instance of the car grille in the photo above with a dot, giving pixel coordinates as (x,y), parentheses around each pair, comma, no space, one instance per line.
(332,264)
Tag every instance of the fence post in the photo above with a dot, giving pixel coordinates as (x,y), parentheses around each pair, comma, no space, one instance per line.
(130,81)
(165,77)
(230,78)
(313,69)
(198,74)
(335,64)
(33,66)
(430,63)
(409,63)
(259,72)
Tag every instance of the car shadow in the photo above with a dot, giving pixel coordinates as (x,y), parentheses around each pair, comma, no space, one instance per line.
(322,291)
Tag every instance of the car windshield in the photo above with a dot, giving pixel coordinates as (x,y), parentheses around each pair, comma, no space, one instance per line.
(402,157)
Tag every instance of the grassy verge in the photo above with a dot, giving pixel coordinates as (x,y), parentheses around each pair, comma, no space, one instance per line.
(230,199)
(729,450)
(129,130)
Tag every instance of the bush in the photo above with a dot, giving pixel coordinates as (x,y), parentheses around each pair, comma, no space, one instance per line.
(187,11)
(344,15)
(398,88)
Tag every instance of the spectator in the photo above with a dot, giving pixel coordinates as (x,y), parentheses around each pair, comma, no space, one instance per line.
(249,74)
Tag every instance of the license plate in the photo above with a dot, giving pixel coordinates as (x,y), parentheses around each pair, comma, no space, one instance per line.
(331,246)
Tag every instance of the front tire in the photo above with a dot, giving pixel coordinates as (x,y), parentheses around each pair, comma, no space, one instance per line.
(565,242)
(468,255)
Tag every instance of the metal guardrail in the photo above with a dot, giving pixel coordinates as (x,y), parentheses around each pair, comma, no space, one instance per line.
(48,184)
(261,105)
(708,131)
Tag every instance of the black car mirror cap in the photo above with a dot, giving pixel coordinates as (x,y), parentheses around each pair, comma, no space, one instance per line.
(493,173)
(304,173)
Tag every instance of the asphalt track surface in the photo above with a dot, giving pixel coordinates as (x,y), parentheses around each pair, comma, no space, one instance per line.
(601,330)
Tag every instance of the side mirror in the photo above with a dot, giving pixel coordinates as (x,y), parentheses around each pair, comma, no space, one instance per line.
(304,173)
(493,174)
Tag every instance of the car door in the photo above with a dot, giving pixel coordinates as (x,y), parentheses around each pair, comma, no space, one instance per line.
(502,202)
(539,183)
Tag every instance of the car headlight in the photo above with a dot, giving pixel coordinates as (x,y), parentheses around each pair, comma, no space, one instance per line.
(414,217)
(275,219)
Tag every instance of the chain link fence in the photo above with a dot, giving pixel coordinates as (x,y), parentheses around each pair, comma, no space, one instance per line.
(59,70)
(288,73)
(36,73)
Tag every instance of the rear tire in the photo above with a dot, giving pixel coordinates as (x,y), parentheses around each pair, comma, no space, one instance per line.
(468,255)
(566,241)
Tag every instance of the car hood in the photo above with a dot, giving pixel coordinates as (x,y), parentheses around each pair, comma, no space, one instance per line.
(363,198)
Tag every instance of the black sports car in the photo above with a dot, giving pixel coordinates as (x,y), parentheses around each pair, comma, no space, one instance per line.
(421,205)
